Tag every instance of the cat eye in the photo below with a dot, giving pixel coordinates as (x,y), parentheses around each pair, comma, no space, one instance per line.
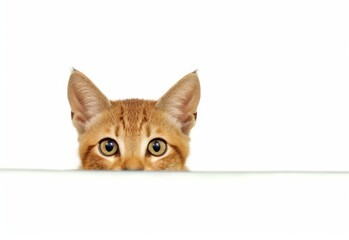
(157,147)
(108,147)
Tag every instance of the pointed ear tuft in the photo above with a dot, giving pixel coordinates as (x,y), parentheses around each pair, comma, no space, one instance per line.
(85,100)
(182,100)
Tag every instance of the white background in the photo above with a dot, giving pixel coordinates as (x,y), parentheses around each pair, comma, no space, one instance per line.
(274,76)
(143,205)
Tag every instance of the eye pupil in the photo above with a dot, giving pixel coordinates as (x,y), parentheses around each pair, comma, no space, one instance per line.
(109,146)
(156,146)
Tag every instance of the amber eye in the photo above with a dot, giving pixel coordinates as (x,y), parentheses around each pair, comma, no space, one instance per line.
(157,147)
(108,147)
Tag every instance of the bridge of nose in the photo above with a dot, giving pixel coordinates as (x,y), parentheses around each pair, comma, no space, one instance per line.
(132,163)
(133,158)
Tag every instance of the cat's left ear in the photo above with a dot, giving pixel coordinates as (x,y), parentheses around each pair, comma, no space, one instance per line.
(86,100)
(182,100)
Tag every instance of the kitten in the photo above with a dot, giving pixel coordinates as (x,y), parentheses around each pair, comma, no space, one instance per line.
(133,134)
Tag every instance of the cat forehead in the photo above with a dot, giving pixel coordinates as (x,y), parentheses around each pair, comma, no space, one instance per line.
(132,110)
(134,104)
(131,115)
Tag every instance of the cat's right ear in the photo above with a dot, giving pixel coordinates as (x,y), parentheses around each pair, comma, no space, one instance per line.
(182,100)
(85,100)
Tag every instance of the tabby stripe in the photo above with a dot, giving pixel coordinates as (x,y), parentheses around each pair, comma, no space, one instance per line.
(177,149)
(87,152)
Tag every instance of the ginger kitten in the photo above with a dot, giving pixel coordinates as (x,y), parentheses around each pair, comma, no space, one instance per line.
(133,134)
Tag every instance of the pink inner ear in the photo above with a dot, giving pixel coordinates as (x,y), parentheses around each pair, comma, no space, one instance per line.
(79,118)
(188,123)
(187,109)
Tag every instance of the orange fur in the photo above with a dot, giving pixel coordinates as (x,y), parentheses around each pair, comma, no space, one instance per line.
(133,124)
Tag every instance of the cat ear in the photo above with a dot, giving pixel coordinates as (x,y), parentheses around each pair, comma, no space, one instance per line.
(182,100)
(85,100)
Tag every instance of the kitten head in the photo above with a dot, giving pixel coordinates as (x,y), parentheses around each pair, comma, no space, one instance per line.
(133,134)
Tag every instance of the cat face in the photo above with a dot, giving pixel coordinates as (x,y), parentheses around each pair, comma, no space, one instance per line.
(133,134)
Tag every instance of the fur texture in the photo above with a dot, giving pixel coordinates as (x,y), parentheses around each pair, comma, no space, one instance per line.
(133,134)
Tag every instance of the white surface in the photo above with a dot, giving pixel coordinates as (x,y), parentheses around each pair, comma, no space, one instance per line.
(274,76)
(71,205)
